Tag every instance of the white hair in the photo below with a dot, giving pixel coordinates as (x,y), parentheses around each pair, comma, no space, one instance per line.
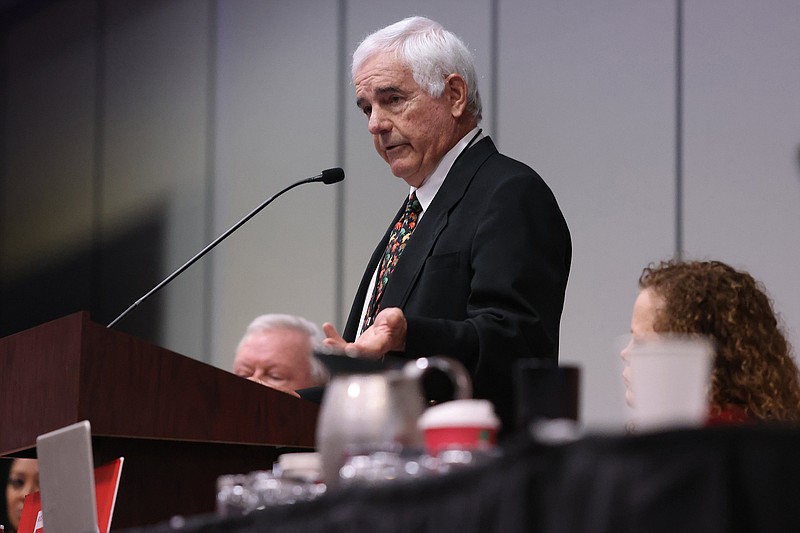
(273,321)
(430,51)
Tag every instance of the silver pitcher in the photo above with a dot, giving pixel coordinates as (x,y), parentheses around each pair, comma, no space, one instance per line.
(361,413)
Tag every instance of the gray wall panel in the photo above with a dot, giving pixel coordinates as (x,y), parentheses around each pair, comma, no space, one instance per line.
(586,98)
(154,144)
(46,183)
(276,111)
(743,142)
(48,131)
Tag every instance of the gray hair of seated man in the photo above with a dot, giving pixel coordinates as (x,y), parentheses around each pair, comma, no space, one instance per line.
(267,322)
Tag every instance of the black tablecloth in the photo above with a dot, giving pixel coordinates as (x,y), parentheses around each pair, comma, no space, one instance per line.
(709,480)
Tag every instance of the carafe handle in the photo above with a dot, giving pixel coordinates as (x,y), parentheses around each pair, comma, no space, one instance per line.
(462,383)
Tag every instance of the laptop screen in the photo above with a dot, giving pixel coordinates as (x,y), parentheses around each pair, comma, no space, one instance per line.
(66,479)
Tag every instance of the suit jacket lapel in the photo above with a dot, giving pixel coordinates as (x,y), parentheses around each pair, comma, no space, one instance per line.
(425,235)
(433,222)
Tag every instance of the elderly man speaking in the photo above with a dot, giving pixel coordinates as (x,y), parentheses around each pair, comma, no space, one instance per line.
(475,263)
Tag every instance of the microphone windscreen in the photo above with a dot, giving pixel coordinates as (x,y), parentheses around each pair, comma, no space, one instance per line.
(332,175)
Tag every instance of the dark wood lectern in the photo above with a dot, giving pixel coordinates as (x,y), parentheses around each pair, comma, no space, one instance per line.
(178,422)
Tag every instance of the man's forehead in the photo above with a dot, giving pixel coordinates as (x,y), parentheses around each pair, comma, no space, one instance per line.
(379,69)
(378,92)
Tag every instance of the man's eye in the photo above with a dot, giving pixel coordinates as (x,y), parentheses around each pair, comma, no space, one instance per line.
(243,371)
(366,110)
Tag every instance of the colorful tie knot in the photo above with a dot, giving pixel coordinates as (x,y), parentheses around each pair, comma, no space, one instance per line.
(413,204)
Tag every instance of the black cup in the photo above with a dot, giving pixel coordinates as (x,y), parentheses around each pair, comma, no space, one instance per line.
(544,390)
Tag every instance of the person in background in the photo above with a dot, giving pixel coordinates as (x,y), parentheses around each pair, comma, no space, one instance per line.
(474,265)
(5,466)
(277,350)
(754,377)
(22,478)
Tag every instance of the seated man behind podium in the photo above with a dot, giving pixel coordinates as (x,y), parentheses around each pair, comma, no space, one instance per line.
(277,350)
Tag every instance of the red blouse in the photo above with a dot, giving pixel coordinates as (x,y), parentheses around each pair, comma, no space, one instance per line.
(729,415)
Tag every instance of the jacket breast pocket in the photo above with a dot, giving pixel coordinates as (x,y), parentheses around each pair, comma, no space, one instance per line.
(439,262)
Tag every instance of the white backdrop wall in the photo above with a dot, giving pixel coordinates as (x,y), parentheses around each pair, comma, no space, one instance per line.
(152,140)
(275,124)
(742,143)
(201,109)
(587,96)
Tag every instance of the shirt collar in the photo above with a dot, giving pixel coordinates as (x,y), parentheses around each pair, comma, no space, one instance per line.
(430,187)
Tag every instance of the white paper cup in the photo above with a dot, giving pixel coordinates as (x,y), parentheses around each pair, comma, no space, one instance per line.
(670,379)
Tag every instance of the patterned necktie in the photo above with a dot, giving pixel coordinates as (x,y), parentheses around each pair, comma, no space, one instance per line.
(401,233)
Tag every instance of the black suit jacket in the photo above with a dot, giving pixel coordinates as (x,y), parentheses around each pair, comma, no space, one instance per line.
(483,276)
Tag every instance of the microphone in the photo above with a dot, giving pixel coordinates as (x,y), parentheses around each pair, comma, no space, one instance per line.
(329,176)
(332,175)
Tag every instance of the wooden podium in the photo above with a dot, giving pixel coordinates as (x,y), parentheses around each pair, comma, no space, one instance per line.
(178,422)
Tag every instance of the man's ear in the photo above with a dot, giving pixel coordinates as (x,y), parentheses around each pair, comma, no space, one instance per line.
(455,89)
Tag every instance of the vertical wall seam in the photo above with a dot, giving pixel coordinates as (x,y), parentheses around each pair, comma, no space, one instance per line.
(340,208)
(210,178)
(679,193)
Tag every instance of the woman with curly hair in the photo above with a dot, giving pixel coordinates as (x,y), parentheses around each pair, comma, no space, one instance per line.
(754,377)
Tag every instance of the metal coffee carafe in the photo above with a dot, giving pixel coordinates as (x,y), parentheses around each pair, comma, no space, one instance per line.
(362,413)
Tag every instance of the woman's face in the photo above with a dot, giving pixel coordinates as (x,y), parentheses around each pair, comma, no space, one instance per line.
(22,480)
(642,320)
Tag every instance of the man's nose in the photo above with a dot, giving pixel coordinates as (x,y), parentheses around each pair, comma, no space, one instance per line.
(378,122)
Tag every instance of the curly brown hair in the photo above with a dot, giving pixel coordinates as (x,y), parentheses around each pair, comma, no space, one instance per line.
(753,368)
